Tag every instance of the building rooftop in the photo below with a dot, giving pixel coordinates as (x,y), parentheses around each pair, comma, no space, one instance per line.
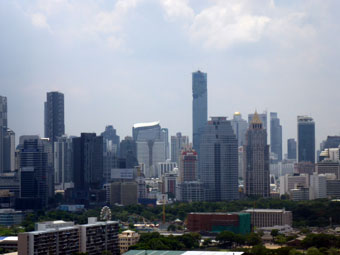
(146,124)
(152,252)
(265,210)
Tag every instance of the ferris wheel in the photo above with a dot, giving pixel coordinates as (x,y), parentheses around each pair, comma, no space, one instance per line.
(105,213)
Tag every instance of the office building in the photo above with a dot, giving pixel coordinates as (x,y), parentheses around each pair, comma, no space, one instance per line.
(333,188)
(126,239)
(306,139)
(87,165)
(152,145)
(291,148)
(261,116)
(275,135)
(300,193)
(54,116)
(256,160)
(190,191)
(317,186)
(128,151)
(34,169)
(331,154)
(239,223)
(111,140)
(3,111)
(10,217)
(169,181)
(304,168)
(328,167)
(61,237)
(332,142)
(240,127)
(122,193)
(165,167)
(63,162)
(178,143)
(289,182)
(218,160)
(199,106)
(262,218)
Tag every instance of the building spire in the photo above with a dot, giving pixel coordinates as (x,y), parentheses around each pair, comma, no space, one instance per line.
(256,118)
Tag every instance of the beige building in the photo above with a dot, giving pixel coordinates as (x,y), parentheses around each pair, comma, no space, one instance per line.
(127,239)
(262,218)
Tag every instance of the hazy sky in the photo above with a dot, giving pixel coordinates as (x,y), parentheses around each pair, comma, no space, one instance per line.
(127,61)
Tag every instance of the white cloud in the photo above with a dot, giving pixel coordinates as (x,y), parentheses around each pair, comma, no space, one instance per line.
(39,20)
(177,9)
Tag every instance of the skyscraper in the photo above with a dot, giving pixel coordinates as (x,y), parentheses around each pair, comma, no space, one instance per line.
(306,139)
(199,105)
(262,117)
(87,164)
(275,135)
(240,127)
(63,161)
(3,131)
(218,160)
(256,160)
(178,143)
(291,148)
(151,146)
(54,116)
(33,173)
(128,151)
(111,140)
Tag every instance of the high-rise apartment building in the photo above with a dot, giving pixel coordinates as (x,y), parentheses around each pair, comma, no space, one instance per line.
(218,166)
(291,148)
(87,164)
(178,143)
(54,116)
(152,145)
(240,127)
(306,139)
(256,160)
(199,106)
(275,135)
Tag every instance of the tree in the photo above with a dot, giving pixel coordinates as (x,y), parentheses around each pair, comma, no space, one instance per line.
(313,251)
(259,250)
(172,228)
(226,238)
(274,232)
(253,239)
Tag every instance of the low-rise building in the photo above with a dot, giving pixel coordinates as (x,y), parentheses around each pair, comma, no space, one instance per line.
(10,217)
(126,239)
(238,223)
(262,218)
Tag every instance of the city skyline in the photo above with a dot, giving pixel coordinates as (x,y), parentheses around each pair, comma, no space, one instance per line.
(153,76)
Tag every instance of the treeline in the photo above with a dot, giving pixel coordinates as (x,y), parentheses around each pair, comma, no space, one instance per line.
(318,213)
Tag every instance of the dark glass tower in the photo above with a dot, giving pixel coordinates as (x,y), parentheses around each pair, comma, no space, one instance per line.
(306,139)
(54,116)
(275,135)
(218,160)
(87,164)
(128,151)
(291,146)
(256,160)
(199,105)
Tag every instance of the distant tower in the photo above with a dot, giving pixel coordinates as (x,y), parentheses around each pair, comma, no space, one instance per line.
(275,135)
(3,111)
(291,148)
(240,127)
(199,105)
(306,139)
(111,140)
(178,143)
(3,131)
(128,151)
(54,116)
(218,160)
(256,160)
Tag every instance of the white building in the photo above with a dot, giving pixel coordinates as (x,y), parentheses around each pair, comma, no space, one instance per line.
(289,182)
(317,186)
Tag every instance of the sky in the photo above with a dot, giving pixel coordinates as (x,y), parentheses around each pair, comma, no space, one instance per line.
(128,61)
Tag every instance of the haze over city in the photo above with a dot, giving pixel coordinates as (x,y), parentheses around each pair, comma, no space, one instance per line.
(124,62)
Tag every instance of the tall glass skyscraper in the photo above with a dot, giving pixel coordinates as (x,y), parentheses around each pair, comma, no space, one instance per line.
(199,105)
(54,116)
(218,160)
(306,139)
(275,135)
